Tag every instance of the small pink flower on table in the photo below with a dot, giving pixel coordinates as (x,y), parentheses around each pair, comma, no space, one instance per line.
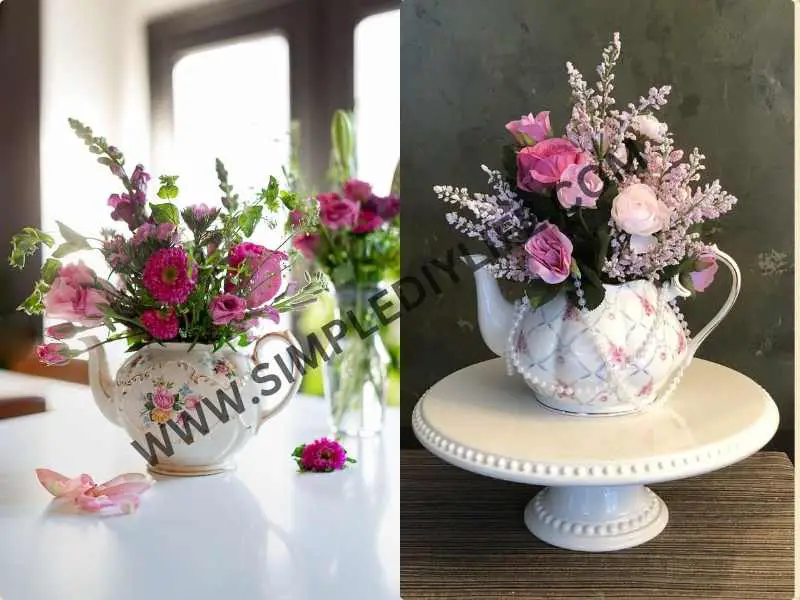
(549,253)
(529,129)
(321,456)
(118,496)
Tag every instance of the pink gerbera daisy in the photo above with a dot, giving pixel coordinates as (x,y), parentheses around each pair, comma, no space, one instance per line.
(322,456)
(170,275)
(161,324)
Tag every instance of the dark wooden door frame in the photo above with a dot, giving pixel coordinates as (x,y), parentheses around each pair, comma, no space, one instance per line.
(320,35)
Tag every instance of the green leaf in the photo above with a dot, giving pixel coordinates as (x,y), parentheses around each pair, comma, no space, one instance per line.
(168,189)
(25,243)
(34,304)
(298,452)
(65,249)
(249,218)
(50,270)
(165,213)
(540,293)
(593,289)
(269,195)
(343,143)
(72,237)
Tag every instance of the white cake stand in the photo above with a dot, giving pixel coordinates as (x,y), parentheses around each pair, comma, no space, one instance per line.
(482,420)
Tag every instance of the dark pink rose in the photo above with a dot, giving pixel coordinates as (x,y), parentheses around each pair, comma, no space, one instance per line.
(259,270)
(368,220)
(529,129)
(549,253)
(705,270)
(307,244)
(387,208)
(336,212)
(540,166)
(358,191)
(226,308)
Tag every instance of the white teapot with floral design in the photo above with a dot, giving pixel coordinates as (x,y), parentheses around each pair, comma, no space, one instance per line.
(618,358)
(189,410)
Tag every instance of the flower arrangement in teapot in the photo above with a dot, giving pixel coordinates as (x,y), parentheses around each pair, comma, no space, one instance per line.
(605,227)
(188,290)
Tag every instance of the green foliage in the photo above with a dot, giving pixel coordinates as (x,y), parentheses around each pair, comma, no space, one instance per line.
(269,195)
(229,200)
(249,218)
(50,270)
(34,304)
(343,147)
(168,190)
(165,213)
(25,243)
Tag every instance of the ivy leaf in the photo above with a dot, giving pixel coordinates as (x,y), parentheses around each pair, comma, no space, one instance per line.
(34,304)
(269,195)
(165,213)
(249,218)
(72,237)
(168,189)
(25,243)
(50,270)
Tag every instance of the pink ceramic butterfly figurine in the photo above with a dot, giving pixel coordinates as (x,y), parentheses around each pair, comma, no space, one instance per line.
(118,496)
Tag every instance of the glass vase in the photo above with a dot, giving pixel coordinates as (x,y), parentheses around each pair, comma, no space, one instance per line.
(355,378)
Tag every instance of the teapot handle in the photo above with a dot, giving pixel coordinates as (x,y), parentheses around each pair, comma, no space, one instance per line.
(267,413)
(736,286)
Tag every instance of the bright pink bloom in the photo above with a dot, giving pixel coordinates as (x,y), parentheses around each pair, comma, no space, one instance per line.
(387,208)
(367,221)
(336,212)
(579,185)
(161,324)
(529,129)
(307,243)
(541,166)
(71,298)
(358,191)
(118,496)
(226,308)
(54,354)
(139,179)
(202,211)
(705,270)
(323,455)
(549,253)
(163,399)
(259,272)
(170,275)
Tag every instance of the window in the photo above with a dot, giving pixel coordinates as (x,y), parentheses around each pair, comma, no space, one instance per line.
(377,98)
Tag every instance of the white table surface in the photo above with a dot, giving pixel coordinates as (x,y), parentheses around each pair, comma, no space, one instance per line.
(262,532)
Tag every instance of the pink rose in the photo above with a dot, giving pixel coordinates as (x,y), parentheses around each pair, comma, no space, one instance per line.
(55,354)
(226,308)
(163,399)
(307,244)
(579,185)
(336,212)
(368,220)
(705,269)
(358,191)
(71,298)
(259,272)
(549,253)
(387,208)
(530,129)
(637,211)
(541,166)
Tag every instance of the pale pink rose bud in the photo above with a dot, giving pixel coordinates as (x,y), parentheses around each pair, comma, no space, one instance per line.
(529,129)
(649,127)
(579,186)
(637,211)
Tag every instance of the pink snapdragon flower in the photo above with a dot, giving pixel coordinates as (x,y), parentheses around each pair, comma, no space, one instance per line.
(72,298)
(259,272)
(549,253)
(226,308)
(540,167)
(161,324)
(162,232)
(529,129)
(170,275)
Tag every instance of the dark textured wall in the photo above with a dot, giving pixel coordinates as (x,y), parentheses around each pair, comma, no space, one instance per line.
(469,66)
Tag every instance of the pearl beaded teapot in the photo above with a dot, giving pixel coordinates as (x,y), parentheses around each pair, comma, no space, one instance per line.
(627,354)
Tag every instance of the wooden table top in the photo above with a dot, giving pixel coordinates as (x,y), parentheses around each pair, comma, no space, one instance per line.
(730,535)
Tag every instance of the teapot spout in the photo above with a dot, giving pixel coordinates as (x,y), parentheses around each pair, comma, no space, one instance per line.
(495,313)
(100,379)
